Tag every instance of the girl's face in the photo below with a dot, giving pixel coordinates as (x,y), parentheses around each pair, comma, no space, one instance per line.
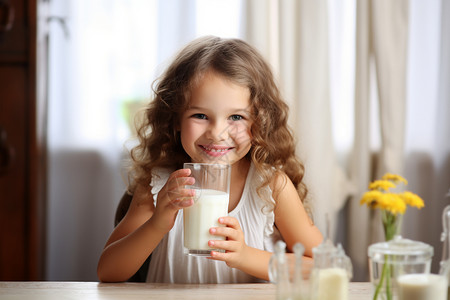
(216,126)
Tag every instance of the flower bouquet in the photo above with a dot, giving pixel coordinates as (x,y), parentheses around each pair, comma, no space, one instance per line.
(392,206)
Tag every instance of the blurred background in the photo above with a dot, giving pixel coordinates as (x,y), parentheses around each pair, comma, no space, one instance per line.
(367,83)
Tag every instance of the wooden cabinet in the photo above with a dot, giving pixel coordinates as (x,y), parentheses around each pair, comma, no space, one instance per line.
(23,41)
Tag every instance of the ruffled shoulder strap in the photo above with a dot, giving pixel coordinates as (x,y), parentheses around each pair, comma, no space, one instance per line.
(159,179)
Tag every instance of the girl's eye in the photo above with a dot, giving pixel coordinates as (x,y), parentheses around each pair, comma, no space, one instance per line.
(236,118)
(200,116)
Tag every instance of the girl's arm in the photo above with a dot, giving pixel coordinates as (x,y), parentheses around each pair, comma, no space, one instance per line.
(291,217)
(143,227)
(291,220)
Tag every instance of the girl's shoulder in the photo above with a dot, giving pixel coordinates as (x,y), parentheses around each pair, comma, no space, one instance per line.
(270,189)
(276,178)
(281,184)
(280,178)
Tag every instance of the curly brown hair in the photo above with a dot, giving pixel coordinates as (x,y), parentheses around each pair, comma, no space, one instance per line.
(273,146)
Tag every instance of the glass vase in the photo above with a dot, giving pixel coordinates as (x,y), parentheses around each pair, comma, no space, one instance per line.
(388,260)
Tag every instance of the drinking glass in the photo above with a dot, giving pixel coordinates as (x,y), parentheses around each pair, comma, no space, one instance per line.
(212,193)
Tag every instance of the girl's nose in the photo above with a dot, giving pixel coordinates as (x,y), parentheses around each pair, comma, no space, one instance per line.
(218,131)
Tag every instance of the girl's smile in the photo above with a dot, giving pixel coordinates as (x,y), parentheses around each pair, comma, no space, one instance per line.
(216,125)
(215,151)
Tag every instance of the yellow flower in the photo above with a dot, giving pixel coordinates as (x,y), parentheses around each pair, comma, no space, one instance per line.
(395,178)
(385,201)
(384,185)
(379,197)
(412,199)
(393,203)
(371,199)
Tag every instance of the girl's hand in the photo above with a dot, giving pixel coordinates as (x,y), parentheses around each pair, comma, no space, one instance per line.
(172,197)
(234,244)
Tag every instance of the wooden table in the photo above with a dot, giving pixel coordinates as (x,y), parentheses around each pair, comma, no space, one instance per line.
(131,291)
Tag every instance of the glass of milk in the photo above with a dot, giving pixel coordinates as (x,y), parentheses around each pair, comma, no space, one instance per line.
(212,193)
(422,287)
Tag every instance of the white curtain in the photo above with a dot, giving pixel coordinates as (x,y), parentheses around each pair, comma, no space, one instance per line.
(427,147)
(293,36)
(89,76)
(410,133)
(398,113)
(381,37)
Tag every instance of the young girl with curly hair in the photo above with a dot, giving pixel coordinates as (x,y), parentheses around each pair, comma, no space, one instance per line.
(216,103)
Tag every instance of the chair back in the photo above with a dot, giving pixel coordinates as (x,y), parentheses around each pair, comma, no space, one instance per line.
(122,208)
(121,211)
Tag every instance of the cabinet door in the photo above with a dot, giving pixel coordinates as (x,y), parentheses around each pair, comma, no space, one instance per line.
(14,29)
(22,142)
(13,206)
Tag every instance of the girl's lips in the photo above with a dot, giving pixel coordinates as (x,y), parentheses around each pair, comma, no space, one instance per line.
(215,150)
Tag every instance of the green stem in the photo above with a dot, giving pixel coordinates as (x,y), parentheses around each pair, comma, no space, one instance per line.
(388,280)
(390,225)
(385,275)
(380,283)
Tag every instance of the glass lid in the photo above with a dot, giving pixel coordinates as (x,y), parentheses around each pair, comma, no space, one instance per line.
(400,250)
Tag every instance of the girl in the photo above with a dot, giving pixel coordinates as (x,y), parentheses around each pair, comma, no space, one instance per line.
(217,102)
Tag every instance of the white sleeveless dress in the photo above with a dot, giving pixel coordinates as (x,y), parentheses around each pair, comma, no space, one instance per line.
(169,264)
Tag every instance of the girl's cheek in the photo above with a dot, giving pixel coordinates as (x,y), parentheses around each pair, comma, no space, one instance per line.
(242,135)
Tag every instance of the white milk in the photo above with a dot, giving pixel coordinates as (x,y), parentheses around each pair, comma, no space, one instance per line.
(199,218)
(332,284)
(422,287)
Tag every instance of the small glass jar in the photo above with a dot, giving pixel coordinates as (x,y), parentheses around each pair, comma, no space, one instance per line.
(399,256)
(331,273)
